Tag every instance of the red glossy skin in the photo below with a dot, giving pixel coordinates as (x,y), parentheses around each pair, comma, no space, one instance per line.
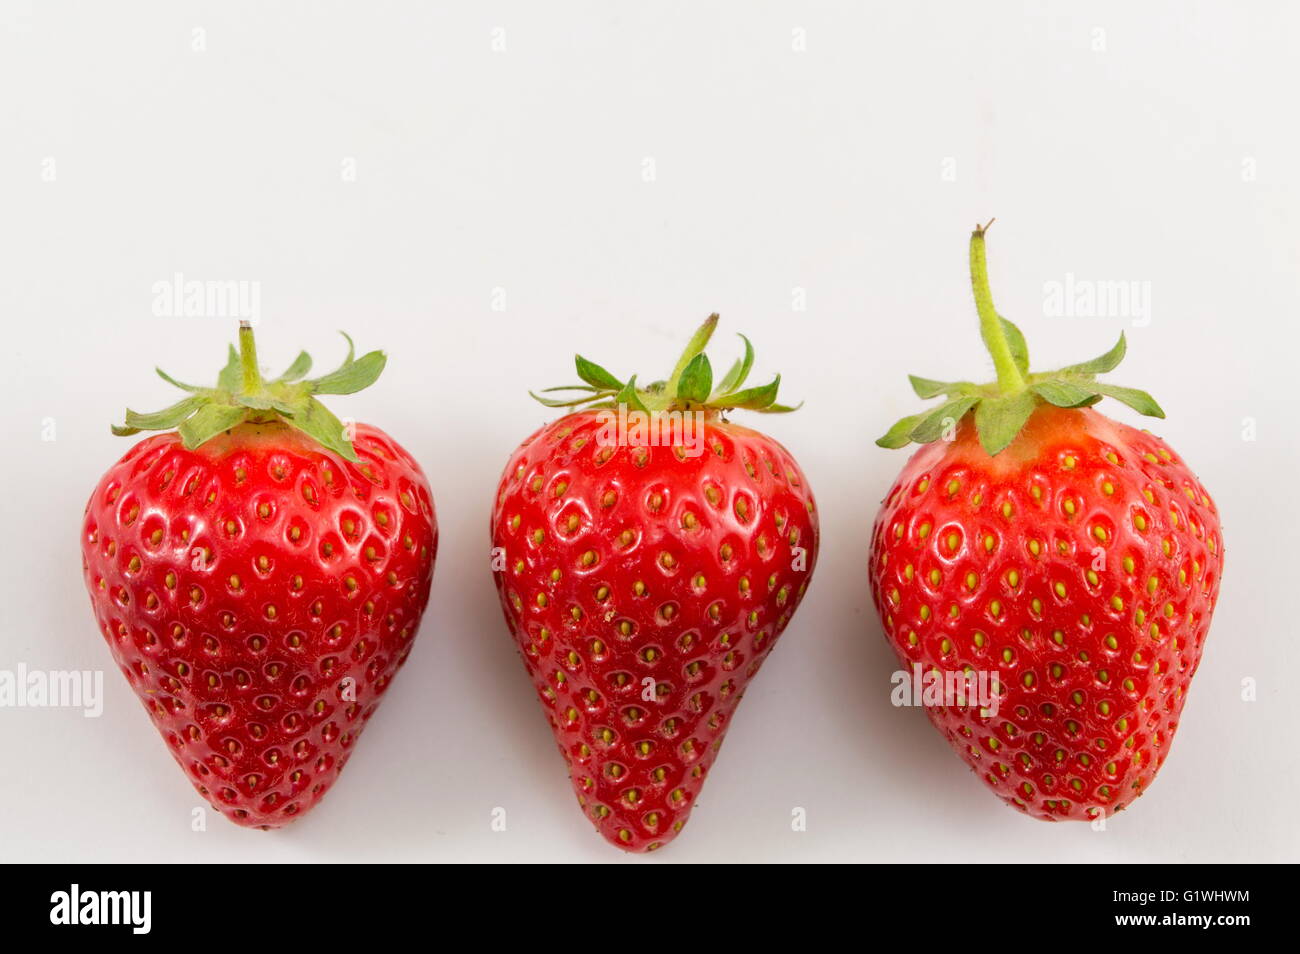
(259,593)
(627,572)
(1095,673)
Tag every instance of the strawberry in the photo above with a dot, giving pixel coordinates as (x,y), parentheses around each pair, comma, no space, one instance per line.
(259,578)
(1077,558)
(646,581)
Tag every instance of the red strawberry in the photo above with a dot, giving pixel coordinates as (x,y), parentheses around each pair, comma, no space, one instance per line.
(259,578)
(645,585)
(1075,556)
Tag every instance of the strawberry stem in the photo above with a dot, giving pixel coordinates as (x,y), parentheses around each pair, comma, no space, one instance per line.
(694,348)
(1010,380)
(248,359)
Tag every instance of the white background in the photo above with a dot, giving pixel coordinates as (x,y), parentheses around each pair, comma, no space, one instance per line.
(1153,142)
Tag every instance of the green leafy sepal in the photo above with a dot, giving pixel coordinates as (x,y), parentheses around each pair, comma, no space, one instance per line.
(691,386)
(1002,407)
(243,395)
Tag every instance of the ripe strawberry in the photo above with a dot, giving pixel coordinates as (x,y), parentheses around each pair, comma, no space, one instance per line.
(645,585)
(1075,556)
(259,578)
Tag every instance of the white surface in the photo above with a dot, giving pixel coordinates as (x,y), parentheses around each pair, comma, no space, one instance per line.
(523,170)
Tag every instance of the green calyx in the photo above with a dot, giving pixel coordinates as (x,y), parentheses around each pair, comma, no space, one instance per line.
(690,387)
(243,395)
(1002,407)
